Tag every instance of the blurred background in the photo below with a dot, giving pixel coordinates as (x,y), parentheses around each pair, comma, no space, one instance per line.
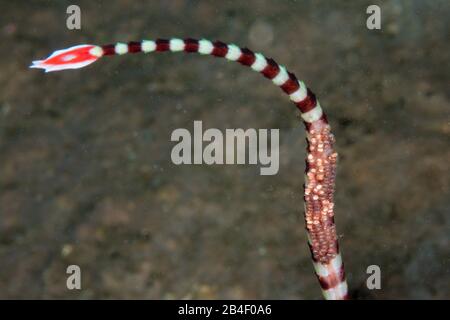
(86,176)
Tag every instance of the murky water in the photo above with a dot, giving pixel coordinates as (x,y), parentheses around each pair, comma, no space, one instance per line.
(86,176)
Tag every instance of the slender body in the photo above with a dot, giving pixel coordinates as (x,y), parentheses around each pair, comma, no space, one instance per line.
(321,158)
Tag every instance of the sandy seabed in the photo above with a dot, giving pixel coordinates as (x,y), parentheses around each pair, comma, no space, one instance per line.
(86,176)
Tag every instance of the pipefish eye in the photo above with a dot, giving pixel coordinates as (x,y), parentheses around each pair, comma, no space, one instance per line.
(68,57)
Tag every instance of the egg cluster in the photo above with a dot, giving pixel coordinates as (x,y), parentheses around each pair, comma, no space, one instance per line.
(319,190)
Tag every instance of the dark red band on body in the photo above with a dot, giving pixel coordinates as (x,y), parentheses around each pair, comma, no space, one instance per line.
(134,47)
(191,45)
(220,49)
(162,45)
(291,85)
(247,57)
(308,103)
(271,70)
(109,50)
